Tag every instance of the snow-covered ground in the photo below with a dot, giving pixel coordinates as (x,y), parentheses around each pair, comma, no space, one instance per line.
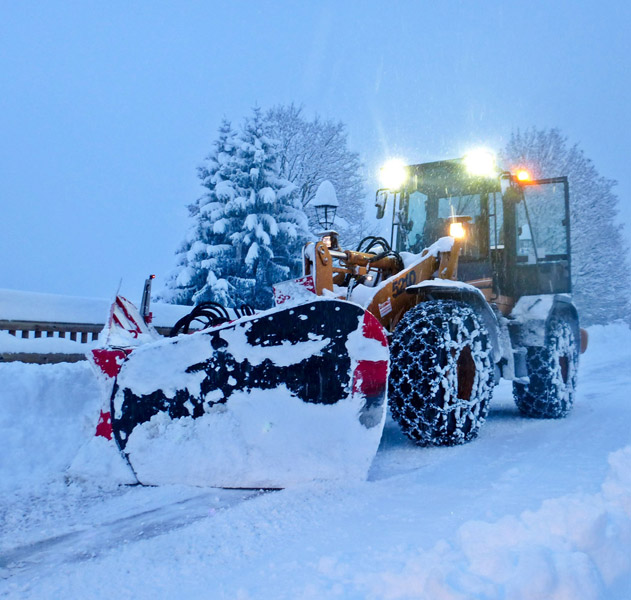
(531,509)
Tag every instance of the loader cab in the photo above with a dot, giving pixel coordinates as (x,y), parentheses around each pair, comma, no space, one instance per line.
(515,234)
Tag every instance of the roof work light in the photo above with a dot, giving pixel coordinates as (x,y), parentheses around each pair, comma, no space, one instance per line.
(393,174)
(480,162)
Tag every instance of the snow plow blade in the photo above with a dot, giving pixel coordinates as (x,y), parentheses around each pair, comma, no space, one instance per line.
(282,397)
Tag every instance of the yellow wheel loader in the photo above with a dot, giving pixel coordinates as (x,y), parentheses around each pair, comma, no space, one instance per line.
(473,285)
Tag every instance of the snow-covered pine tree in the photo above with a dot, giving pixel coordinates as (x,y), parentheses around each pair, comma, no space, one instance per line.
(600,266)
(207,257)
(264,221)
(311,152)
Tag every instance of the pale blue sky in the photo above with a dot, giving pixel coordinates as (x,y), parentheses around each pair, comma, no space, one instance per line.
(106,109)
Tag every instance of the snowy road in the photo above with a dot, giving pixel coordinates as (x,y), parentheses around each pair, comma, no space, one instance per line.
(531,509)
(92,541)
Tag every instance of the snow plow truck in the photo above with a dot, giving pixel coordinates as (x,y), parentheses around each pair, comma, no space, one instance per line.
(473,285)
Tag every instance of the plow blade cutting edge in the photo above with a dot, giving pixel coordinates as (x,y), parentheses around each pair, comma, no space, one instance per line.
(282,397)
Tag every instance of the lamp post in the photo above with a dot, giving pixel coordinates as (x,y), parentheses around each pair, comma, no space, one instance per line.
(325,203)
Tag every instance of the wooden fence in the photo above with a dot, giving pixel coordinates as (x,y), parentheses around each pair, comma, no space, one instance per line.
(82,333)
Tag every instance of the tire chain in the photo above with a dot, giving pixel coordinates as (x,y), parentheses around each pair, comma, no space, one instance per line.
(548,395)
(423,380)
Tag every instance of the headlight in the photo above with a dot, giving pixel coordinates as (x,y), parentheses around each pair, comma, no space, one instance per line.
(394,174)
(480,162)
(456,230)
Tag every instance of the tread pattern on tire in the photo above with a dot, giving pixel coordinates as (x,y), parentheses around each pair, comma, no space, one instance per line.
(423,385)
(550,393)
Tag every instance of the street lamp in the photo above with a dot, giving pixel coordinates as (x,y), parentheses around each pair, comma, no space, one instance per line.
(325,203)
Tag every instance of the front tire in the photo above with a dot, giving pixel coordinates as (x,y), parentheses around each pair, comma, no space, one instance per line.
(552,370)
(442,373)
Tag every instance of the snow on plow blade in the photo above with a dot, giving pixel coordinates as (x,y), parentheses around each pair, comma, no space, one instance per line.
(282,397)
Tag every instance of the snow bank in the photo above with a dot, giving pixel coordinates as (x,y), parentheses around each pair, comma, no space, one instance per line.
(574,547)
(602,337)
(46,413)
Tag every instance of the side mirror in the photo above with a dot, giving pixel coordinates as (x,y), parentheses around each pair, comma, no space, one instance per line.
(513,195)
(505,181)
(381,201)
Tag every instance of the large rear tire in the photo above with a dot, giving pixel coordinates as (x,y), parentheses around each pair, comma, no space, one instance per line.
(442,373)
(552,370)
